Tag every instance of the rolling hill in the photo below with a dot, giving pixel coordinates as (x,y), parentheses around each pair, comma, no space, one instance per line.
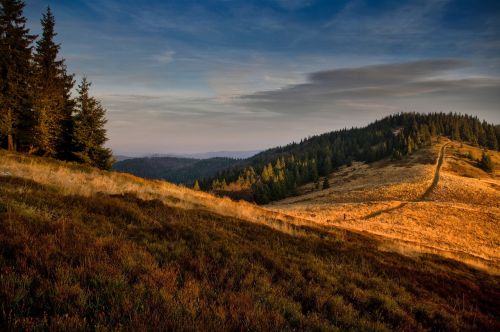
(86,249)
(277,173)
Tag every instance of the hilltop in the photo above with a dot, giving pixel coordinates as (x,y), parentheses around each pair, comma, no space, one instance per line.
(279,172)
(88,249)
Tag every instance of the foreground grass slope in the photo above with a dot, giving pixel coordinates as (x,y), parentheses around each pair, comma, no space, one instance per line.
(105,260)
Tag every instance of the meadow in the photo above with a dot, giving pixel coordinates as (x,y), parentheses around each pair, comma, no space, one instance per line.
(82,249)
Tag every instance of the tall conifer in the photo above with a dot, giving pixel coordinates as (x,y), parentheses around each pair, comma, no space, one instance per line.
(89,131)
(16,116)
(52,87)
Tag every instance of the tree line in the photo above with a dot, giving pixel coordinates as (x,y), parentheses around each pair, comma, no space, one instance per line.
(277,173)
(38,114)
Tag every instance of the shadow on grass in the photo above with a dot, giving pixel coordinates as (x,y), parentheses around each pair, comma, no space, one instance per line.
(119,262)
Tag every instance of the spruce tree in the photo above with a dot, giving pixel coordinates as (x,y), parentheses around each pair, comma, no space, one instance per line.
(486,163)
(16,117)
(89,131)
(52,87)
(196,186)
(492,138)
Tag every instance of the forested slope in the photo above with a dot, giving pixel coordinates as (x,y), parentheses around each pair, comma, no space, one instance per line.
(276,173)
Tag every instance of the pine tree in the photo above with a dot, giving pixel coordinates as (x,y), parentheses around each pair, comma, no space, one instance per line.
(196,186)
(89,131)
(313,171)
(325,161)
(51,95)
(486,163)
(16,117)
(267,173)
(491,138)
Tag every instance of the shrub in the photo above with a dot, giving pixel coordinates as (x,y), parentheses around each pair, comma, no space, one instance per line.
(486,163)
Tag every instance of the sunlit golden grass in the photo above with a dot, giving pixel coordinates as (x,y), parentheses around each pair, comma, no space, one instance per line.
(459,219)
(71,179)
(380,181)
(463,181)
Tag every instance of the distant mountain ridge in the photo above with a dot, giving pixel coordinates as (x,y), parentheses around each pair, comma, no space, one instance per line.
(233,154)
(174,169)
(181,168)
(211,154)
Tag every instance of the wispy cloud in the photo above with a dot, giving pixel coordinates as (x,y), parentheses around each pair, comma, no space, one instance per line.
(165,57)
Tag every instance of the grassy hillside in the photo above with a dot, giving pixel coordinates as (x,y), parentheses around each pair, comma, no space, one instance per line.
(174,169)
(458,218)
(82,249)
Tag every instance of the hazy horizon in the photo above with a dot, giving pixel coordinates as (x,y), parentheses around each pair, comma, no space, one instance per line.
(198,76)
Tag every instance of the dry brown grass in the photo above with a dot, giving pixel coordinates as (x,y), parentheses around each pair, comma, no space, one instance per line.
(376,182)
(73,179)
(460,218)
(463,181)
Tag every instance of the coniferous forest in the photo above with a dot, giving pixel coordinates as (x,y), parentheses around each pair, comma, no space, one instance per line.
(38,114)
(277,173)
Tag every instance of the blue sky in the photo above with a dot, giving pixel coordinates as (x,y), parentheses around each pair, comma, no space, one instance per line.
(192,76)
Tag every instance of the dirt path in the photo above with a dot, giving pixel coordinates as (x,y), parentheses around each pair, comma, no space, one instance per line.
(424,196)
(436,175)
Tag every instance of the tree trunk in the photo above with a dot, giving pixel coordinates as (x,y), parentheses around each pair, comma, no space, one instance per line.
(10,142)
(8,126)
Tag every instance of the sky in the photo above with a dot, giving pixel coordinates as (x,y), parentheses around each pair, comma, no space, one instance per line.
(220,75)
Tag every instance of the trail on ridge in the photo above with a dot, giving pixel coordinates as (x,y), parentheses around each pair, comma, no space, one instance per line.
(424,196)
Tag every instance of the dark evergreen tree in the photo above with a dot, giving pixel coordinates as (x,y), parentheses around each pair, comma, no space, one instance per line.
(325,161)
(52,87)
(16,116)
(89,131)
(486,163)
(491,138)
